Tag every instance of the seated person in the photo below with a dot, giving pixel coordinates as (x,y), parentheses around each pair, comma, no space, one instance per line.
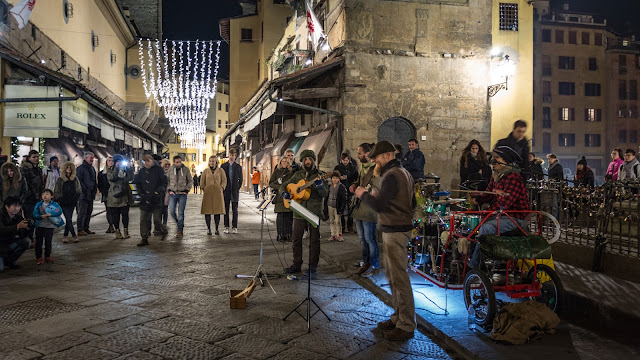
(14,232)
(511,194)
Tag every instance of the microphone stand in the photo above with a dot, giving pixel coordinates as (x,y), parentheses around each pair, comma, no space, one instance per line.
(260,274)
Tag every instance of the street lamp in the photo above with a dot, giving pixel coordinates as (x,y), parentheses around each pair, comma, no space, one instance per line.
(506,69)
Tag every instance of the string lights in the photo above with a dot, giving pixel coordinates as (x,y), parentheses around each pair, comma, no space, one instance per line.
(184,92)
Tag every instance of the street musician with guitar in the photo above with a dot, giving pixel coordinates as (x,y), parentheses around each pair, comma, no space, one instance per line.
(307,187)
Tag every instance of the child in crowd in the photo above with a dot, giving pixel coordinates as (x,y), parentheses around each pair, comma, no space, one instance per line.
(47,218)
(336,202)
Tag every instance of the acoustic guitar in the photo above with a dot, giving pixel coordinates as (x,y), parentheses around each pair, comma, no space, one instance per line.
(301,191)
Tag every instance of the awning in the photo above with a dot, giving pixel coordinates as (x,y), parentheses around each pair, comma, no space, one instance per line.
(281,144)
(95,119)
(269,110)
(128,139)
(295,144)
(64,148)
(118,133)
(264,159)
(31,119)
(252,122)
(75,114)
(317,142)
(107,131)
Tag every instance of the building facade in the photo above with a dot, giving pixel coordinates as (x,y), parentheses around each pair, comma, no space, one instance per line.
(623,74)
(82,55)
(570,88)
(393,70)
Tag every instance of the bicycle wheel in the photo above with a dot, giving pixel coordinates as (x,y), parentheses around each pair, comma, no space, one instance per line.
(551,288)
(478,292)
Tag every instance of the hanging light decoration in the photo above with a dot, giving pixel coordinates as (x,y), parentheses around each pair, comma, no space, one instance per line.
(184,91)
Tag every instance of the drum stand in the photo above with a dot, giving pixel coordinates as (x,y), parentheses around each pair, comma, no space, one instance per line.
(309,300)
(260,274)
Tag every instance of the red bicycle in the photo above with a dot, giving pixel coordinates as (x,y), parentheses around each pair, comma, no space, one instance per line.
(510,263)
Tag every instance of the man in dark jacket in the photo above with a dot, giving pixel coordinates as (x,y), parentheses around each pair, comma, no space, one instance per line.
(413,160)
(233,171)
(535,168)
(32,174)
(394,203)
(315,204)
(348,175)
(292,160)
(14,232)
(88,181)
(555,171)
(151,183)
(519,143)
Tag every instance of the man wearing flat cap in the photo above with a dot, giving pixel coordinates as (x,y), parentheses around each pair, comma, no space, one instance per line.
(510,193)
(394,204)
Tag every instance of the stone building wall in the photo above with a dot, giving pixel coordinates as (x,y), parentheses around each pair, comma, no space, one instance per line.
(425,62)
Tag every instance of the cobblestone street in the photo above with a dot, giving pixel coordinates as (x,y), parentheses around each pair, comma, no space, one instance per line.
(105,299)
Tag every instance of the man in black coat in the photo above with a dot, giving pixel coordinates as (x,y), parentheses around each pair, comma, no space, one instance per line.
(413,161)
(88,181)
(151,183)
(348,175)
(518,142)
(555,171)
(233,171)
(14,233)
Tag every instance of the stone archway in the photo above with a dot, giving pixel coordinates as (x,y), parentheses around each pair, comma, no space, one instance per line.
(397,130)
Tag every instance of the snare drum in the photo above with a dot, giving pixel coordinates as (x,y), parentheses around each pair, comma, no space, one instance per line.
(470,222)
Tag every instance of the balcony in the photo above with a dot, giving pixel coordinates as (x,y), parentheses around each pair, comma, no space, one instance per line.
(291,61)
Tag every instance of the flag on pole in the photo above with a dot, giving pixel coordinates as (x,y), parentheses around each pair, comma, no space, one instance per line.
(22,12)
(315,29)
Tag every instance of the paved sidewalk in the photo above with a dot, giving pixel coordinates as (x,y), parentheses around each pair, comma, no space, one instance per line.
(570,342)
(108,299)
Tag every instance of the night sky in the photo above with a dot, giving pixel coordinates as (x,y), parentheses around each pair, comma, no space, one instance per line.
(198,19)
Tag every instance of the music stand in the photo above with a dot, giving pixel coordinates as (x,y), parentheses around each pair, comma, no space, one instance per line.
(260,274)
(314,221)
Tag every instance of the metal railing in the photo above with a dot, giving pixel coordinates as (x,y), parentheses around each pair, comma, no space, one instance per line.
(606,217)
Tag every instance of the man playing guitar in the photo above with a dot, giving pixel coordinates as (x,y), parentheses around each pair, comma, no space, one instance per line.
(309,173)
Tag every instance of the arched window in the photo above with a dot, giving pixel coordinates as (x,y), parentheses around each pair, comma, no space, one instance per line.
(397,130)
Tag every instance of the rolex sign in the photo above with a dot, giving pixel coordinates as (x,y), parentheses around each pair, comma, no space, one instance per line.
(31,119)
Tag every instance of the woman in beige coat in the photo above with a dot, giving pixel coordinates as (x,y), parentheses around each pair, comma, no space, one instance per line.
(213,182)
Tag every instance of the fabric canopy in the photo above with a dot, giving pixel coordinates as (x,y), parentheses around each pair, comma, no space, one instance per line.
(317,142)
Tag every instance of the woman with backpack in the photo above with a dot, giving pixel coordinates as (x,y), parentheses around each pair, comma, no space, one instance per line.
(119,196)
(66,193)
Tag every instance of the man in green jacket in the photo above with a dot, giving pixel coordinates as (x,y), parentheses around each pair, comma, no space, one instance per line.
(319,190)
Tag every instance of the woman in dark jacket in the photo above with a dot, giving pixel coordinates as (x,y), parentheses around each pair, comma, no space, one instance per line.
(119,176)
(103,186)
(13,184)
(584,175)
(284,216)
(474,166)
(66,193)
(535,168)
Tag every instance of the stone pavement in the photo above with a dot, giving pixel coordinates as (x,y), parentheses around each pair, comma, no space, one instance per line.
(594,300)
(106,299)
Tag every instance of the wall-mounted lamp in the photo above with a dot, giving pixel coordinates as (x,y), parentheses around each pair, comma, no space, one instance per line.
(507,69)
